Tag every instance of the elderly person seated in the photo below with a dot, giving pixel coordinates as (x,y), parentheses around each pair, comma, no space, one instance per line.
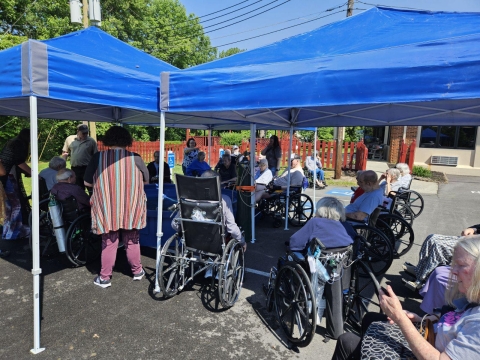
(295,174)
(198,166)
(394,335)
(262,178)
(314,166)
(372,197)
(405,177)
(66,187)
(436,251)
(56,163)
(391,183)
(328,225)
(227,170)
(220,161)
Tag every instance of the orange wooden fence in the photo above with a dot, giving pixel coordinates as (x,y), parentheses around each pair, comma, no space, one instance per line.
(354,155)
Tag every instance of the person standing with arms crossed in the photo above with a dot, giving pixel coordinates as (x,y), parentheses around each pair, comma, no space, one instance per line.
(81,148)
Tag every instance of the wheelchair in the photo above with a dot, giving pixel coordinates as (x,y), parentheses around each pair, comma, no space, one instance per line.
(409,204)
(290,293)
(381,252)
(300,206)
(82,245)
(202,244)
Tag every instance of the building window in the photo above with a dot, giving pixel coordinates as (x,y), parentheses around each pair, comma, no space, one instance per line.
(450,137)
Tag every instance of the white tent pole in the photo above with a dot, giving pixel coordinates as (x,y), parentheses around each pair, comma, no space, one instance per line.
(36,270)
(288,177)
(315,172)
(253,139)
(209,145)
(160,197)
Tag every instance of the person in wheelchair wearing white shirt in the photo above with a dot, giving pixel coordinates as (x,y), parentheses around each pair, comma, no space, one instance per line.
(295,174)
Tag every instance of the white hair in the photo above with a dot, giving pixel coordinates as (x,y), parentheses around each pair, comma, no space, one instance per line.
(330,208)
(404,169)
(263,161)
(395,173)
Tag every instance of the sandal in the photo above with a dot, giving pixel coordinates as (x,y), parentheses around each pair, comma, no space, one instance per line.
(409,268)
(412,285)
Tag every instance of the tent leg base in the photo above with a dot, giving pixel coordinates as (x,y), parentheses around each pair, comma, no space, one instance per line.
(37,351)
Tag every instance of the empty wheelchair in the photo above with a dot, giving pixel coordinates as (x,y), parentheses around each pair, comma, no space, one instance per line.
(300,206)
(202,243)
(82,246)
(290,290)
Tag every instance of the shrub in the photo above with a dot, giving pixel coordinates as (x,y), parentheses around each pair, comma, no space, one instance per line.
(230,139)
(421,171)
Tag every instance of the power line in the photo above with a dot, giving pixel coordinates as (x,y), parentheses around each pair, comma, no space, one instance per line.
(390,6)
(176,40)
(223,9)
(282,22)
(272,32)
(231,12)
(262,12)
(206,27)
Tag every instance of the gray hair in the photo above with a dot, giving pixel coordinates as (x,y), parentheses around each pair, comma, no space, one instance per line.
(263,161)
(57,163)
(64,174)
(330,208)
(471,244)
(404,169)
(395,173)
(201,153)
(209,173)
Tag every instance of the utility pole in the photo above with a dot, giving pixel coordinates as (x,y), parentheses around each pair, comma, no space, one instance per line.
(341,130)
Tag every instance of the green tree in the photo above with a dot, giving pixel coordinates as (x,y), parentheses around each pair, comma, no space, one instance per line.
(229,52)
(161,28)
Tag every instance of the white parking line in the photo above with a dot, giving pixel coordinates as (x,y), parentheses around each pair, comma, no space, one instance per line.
(258,272)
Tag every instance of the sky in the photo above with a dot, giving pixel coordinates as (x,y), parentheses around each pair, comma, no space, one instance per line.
(280,14)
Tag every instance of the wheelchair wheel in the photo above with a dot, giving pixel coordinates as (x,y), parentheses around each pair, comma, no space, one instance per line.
(83,246)
(402,231)
(47,239)
(362,296)
(171,267)
(378,251)
(413,200)
(300,209)
(405,212)
(231,274)
(295,304)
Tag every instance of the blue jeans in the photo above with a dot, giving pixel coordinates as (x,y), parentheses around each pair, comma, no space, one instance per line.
(273,170)
(320,174)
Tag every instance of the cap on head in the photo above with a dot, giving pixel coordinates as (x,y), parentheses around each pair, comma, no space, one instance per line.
(296,157)
(83,128)
(235,147)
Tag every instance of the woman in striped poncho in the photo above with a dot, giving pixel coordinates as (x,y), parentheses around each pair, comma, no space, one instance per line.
(118,201)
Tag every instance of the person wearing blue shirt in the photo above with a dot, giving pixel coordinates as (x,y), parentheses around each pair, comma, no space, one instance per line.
(198,166)
(364,205)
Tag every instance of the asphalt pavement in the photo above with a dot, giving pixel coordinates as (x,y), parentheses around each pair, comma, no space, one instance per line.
(128,321)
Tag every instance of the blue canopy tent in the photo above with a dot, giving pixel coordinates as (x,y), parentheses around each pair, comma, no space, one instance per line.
(381,67)
(85,75)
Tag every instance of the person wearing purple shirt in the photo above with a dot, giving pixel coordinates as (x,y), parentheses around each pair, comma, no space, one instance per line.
(66,187)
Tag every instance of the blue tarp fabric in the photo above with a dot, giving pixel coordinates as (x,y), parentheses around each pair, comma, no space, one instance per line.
(78,70)
(381,67)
